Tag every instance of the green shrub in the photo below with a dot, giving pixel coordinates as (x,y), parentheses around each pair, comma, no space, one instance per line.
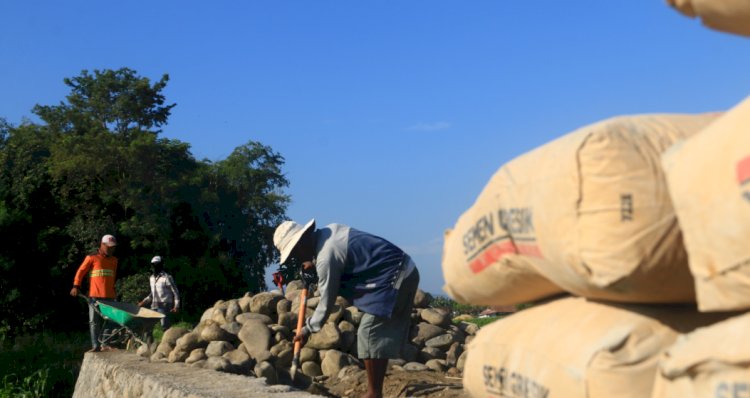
(133,288)
(41,365)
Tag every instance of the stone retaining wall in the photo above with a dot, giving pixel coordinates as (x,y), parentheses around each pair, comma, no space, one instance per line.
(124,374)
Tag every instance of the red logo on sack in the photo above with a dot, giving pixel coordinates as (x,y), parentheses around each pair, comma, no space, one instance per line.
(743,170)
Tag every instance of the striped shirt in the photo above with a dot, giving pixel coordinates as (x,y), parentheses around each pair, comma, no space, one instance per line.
(164,293)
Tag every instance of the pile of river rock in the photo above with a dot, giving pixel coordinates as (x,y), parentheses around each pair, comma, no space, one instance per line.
(253,336)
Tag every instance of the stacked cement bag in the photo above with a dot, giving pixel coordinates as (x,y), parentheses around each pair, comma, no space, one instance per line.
(573,347)
(731,16)
(253,336)
(709,183)
(713,361)
(588,213)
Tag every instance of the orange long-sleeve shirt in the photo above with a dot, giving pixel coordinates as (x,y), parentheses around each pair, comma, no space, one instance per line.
(101,276)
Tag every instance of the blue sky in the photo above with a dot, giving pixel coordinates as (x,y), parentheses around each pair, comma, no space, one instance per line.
(391,115)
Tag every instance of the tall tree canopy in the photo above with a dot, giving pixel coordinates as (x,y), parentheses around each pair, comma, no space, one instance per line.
(96,165)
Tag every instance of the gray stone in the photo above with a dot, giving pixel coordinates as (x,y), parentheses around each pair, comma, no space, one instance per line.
(244,302)
(327,338)
(219,364)
(396,362)
(353,315)
(266,370)
(429,353)
(422,299)
(424,331)
(281,346)
(333,362)
(283,306)
(469,328)
(308,355)
(233,309)
(242,318)
(177,355)
(218,348)
(214,332)
(462,361)
(442,342)
(199,364)
(196,355)
(458,334)
(158,356)
(190,341)
(348,336)
(240,361)
(218,316)
(312,302)
(288,320)
(415,367)
(143,351)
(437,365)
(455,351)
(285,331)
(311,369)
(336,313)
(436,317)
(172,334)
(256,337)
(232,327)
(283,358)
(265,303)
(207,314)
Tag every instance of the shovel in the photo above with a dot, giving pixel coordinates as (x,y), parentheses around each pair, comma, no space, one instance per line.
(300,324)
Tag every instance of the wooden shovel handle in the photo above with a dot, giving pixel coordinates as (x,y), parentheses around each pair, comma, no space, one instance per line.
(300,319)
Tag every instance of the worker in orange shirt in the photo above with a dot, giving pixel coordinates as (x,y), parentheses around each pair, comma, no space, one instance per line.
(101,268)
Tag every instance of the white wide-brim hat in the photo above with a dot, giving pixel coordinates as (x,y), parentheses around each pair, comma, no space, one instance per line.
(287,235)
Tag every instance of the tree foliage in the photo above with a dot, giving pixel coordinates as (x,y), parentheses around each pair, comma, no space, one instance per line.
(95,165)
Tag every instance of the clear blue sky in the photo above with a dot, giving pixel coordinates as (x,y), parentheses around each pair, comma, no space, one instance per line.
(392,115)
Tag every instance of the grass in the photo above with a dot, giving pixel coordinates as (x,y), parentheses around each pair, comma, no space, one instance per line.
(41,365)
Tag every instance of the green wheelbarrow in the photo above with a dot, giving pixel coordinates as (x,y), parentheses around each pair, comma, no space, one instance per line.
(134,323)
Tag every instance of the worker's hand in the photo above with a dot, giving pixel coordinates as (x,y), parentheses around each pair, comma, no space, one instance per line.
(74,292)
(301,335)
(140,303)
(174,309)
(301,338)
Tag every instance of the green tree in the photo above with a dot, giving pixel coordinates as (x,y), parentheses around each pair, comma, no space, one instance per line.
(97,165)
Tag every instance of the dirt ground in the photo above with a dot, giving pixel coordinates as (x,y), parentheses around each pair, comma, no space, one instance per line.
(397,384)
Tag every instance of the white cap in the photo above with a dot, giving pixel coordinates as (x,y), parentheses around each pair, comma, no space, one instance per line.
(287,235)
(156,259)
(109,240)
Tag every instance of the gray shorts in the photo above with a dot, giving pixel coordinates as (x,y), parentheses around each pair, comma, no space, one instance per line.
(383,338)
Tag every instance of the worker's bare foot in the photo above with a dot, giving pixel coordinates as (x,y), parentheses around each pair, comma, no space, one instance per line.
(371,394)
(107,348)
(96,349)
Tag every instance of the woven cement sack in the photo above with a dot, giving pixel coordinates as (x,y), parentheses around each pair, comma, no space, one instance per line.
(713,361)
(731,16)
(709,181)
(588,213)
(575,348)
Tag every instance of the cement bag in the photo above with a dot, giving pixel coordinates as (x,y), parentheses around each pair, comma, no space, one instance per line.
(731,16)
(574,348)
(709,182)
(588,213)
(710,362)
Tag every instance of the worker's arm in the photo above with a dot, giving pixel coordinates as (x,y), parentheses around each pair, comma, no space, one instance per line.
(329,266)
(83,269)
(175,293)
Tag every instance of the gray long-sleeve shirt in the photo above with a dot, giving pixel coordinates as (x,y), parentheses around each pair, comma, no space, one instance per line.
(361,267)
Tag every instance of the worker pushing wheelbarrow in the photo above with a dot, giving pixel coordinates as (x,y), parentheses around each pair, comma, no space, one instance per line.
(134,322)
